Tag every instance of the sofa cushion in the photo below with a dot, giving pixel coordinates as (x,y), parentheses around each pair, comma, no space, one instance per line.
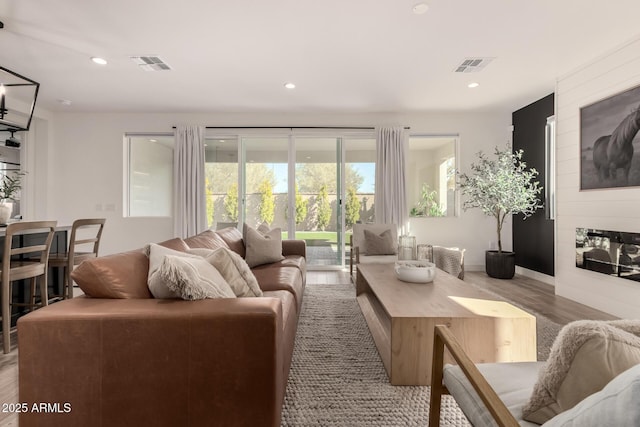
(585,356)
(122,275)
(615,405)
(193,278)
(290,261)
(512,382)
(277,278)
(233,238)
(262,248)
(207,239)
(379,244)
(235,271)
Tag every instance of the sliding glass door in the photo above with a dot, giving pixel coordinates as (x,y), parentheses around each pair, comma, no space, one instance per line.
(359,183)
(313,186)
(317,204)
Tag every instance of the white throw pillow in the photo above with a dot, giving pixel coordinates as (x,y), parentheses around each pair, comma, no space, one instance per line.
(262,248)
(615,405)
(236,272)
(585,356)
(156,254)
(193,278)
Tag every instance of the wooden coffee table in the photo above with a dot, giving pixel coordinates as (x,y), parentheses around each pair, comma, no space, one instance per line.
(401,317)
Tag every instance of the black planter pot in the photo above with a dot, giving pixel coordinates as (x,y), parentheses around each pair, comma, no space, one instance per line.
(500,265)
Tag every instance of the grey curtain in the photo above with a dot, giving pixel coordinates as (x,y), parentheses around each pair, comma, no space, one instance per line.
(391,196)
(190,213)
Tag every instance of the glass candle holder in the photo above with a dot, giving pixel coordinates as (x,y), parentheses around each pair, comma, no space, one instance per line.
(425,252)
(407,247)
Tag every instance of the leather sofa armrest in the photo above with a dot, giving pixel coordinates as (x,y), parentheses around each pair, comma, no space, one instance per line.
(294,247)
(154,362)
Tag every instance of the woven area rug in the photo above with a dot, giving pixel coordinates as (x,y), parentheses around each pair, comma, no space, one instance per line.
(337,377)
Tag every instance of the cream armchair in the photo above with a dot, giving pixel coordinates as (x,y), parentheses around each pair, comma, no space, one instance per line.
(359,253)
(493,394)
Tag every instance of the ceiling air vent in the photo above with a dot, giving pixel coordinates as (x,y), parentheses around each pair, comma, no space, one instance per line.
(150,63)
(473,65)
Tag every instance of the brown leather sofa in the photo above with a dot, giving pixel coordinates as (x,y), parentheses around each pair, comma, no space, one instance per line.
(119,357)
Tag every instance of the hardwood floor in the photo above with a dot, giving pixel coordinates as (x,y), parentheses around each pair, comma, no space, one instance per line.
(529,293)
(537,296)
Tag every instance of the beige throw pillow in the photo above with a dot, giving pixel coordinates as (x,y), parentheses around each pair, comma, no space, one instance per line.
(157,285)
(235,271)
(585,356)
(262,248)
(379,244)
(193,278)
(264,227)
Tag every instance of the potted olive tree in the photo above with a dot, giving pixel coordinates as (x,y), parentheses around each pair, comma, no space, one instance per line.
(501,187)
(10,184)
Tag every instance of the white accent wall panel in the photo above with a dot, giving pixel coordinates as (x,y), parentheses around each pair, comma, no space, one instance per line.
(610,209)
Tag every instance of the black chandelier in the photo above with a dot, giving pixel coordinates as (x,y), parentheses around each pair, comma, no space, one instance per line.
(18,96)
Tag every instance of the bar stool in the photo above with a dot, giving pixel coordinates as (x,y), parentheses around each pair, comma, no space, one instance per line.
(91,233)
(23,268)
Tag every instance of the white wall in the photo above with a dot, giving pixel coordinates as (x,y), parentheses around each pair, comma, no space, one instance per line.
(87,154)
(611,209)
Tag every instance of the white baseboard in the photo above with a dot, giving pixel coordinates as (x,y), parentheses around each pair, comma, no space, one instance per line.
(545,278)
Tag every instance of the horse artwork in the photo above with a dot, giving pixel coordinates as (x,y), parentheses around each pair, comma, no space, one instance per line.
(609,131)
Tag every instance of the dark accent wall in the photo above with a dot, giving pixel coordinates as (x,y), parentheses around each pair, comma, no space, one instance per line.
(533,238)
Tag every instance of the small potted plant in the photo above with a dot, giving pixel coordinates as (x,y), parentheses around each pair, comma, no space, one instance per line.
(10,185)
(501,187)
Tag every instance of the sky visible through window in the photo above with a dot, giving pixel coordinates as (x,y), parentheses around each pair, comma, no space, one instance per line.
(366,170)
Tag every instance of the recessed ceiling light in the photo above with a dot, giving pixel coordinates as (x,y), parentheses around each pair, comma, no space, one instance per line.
(99,61)
(420,8)
(153,140)
(290,85)
(64,102)
(473,84)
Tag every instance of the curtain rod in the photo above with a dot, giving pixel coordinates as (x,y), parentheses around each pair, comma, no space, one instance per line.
(293,127)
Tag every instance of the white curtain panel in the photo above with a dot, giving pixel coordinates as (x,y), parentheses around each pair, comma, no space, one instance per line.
(391,193)
(190,213)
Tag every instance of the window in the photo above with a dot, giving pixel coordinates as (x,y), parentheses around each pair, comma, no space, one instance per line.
(360,175)
(149,186)
(221,181)
(266,178)
(431,176)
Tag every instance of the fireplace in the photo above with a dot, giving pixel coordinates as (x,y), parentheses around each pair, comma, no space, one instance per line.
(614,253)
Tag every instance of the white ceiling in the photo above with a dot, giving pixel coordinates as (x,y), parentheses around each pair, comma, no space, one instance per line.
(343,55)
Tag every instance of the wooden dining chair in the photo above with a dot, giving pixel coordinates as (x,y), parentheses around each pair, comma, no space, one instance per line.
(83,232)
(24,257)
